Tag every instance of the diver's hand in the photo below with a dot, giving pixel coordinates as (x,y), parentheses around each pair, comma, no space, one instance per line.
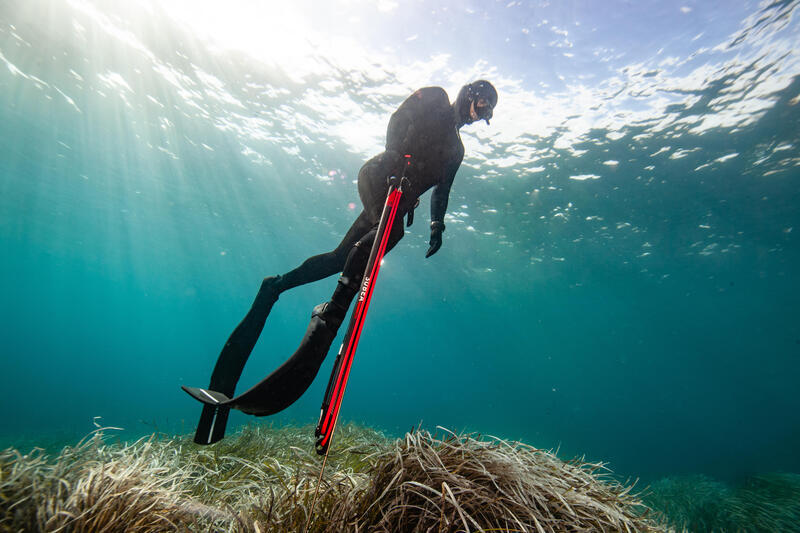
(437,228)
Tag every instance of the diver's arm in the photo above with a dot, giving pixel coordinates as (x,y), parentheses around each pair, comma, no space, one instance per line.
(439,199)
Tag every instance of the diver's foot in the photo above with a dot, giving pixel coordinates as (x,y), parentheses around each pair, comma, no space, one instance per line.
(273,283)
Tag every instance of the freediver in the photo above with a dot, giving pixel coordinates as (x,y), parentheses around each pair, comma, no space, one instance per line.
(424,127)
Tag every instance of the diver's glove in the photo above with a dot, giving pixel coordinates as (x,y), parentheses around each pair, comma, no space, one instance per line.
(437,227)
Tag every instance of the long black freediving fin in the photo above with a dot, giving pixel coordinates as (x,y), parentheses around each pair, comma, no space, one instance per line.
(231,361)
(278,390)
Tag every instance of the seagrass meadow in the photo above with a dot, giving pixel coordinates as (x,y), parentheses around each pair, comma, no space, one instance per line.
(263,479)
(609,330)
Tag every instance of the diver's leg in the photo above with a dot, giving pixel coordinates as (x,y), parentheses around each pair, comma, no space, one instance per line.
(231,361)
(241,342)
(373,185)
(323,265)
(288,382)
(342,259)
(330,315)
(349,282)
(397,232)
(237,349)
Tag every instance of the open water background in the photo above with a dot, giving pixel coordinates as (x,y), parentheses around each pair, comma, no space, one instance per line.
(619,271)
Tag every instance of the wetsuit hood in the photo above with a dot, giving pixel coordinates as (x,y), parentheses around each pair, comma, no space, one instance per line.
(473,92)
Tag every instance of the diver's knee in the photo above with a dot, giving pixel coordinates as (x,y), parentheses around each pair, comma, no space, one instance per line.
(362,247)
(356,260)
(331,314)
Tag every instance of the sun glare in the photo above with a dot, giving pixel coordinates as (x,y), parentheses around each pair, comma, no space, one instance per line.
(275,33)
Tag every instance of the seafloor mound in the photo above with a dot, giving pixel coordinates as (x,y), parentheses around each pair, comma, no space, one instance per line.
(762,503)
(263,479)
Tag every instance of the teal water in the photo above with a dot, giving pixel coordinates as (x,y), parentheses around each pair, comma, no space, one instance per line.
(619,271)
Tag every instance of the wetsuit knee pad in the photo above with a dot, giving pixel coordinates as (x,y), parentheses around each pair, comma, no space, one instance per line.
(358,256)
(329,315)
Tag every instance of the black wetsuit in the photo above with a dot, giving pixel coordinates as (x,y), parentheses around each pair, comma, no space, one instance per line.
(424,127)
